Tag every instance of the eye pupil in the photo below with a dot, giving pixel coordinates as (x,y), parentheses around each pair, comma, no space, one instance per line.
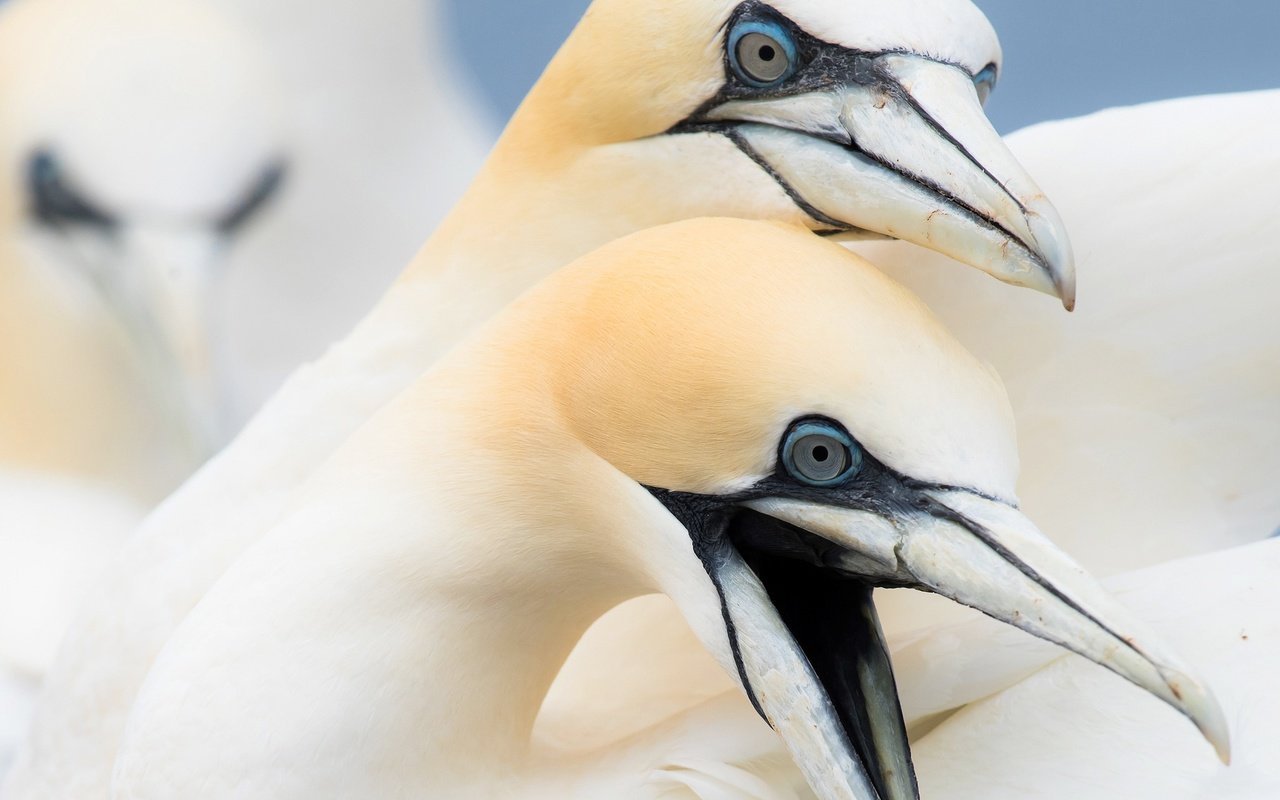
(760,58)
(820,453)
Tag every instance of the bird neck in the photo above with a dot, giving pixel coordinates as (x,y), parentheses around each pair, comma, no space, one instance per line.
(406,621)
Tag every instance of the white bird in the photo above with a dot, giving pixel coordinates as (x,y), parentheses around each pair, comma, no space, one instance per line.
(137,138)
(634,424)
(382,140)
(1067,732)
(645,116)
(1149,420)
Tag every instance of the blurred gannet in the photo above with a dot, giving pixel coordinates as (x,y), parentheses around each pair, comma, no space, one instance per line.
(137,139)
(383,138)
(634,424)
(848,118)
(136,142)
(1042,740)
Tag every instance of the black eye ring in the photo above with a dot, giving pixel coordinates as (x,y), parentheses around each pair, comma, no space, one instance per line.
(820,453)
(762,53)
(53,200)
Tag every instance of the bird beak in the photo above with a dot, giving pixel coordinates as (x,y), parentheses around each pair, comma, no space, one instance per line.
(161,288)
(899,145)
(795,579)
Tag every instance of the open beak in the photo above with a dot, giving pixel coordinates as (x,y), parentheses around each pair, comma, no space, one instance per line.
(898,145)
(795,578)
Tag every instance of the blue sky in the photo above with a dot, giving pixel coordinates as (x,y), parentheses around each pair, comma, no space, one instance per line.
(1062,58)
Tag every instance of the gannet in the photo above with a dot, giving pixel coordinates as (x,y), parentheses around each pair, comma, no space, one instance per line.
(137,139)
(738,414)
(136,142)
(383,137)
(1147,419)
(649,113)
(1039,740)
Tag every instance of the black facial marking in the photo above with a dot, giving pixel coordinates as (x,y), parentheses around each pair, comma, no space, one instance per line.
(731,133)
(832,618)
(707,520)
(55,202)
(254,200)
(822,65)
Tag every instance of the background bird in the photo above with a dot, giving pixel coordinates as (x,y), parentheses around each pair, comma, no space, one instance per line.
(138,139)
(194,196)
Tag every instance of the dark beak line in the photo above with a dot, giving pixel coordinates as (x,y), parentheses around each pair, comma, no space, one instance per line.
(940,510)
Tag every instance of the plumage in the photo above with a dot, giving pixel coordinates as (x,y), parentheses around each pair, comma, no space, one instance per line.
(394,632)
(56,533)
(612,139)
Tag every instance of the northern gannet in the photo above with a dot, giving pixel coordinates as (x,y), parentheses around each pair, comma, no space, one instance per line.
(1038,740)
(740,415)
(383,137)
(1148,420)
(137,138)
(650,113)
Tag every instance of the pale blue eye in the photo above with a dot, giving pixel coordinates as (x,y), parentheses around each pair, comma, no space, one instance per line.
(985,82)
(761,53)
(820,454)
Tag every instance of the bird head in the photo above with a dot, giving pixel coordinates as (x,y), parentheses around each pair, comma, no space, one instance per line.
(804,432)
(138,139)
(856,118)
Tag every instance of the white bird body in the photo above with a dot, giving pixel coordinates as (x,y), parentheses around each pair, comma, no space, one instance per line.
(585,160)
(393,635)
(1068,731)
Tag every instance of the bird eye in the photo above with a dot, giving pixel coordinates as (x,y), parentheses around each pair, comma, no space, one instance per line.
(820,453)
(761,53)
(985,82)
(54,202)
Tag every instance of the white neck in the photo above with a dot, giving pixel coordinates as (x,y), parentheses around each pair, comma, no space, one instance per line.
(397,634)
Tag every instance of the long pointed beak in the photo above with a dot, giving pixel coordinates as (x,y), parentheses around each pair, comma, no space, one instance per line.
(163,297)
(988,555)
(901,147)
